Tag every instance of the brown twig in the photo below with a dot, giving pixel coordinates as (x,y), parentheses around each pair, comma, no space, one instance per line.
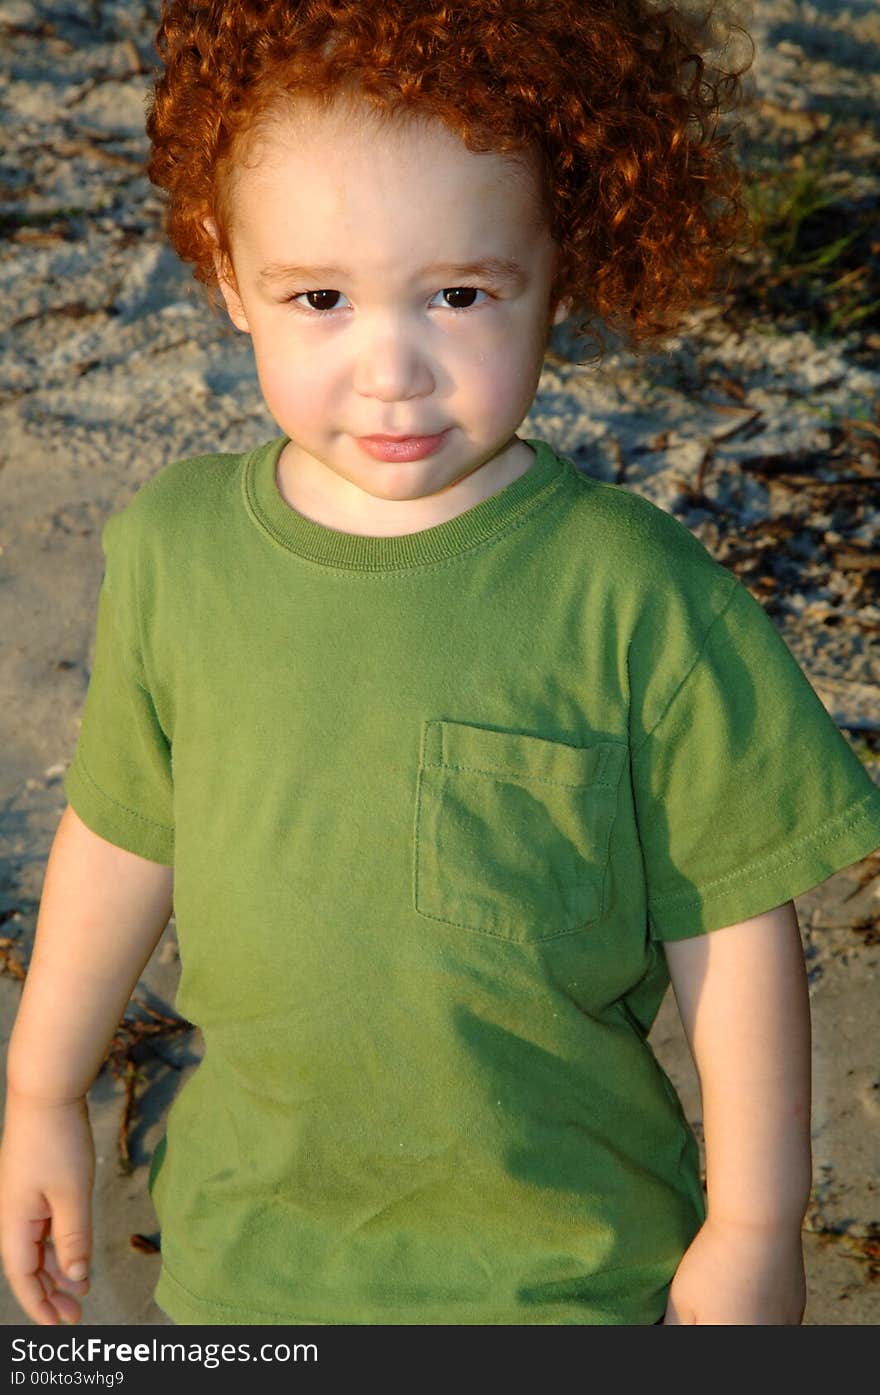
(131,1038)
(10,961)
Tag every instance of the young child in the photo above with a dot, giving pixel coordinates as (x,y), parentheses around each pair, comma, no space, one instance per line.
(455,754)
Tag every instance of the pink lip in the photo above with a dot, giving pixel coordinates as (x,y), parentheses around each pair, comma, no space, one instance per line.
(379,436)
(400,447)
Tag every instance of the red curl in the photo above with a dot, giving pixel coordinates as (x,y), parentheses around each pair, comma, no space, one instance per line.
(641,192)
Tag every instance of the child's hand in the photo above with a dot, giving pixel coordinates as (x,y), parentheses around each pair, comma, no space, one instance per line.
(740,1274)
(47,1171)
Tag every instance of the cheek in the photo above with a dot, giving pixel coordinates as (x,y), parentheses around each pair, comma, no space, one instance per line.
(509,369)
(290,376)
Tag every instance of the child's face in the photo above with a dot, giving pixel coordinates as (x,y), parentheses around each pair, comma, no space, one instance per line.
(382,349)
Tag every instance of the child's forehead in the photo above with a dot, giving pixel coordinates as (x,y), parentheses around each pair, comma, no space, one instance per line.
(389,188)
(346,135)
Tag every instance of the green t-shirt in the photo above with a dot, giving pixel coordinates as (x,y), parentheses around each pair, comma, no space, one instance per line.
(433,803)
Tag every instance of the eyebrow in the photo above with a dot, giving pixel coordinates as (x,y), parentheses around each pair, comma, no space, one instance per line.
(488,269)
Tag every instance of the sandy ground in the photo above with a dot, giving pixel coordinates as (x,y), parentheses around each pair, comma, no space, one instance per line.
(111,365)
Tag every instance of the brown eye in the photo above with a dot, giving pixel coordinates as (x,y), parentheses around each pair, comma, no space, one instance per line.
(317,300)
(456,292)
(321,298)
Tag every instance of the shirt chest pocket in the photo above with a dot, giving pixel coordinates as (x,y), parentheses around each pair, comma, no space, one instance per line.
(512,832)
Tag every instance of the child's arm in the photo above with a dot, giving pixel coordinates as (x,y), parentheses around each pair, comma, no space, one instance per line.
(102,912)
(743,999)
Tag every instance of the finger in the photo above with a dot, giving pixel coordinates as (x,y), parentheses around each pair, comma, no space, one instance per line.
(52,1267)
(23,1244)
(61,1292)
(34,1273)
(64,1305)
(72,1233)
(22,1264)
(30,1293)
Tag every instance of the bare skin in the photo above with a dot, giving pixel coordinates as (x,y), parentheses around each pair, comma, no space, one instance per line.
(102,912)
(743,1000)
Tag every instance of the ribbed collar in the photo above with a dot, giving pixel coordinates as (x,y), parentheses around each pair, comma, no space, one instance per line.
(352,551)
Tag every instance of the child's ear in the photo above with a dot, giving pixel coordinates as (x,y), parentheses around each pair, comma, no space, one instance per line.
(562,311)
(228,289)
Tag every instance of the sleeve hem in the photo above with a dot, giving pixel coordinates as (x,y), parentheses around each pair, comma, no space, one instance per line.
(845,838)
(113,821)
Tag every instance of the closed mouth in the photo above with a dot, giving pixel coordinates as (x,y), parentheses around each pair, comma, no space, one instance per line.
(415,436)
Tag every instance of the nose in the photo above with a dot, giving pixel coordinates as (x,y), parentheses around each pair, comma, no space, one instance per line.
(392,365)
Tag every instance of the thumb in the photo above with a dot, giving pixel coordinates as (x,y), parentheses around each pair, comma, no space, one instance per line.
(72,1236)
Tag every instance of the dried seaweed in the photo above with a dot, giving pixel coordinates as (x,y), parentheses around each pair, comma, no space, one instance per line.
(11,962)
(134,1040)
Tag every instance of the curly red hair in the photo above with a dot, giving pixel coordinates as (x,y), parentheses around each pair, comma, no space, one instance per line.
(642,195)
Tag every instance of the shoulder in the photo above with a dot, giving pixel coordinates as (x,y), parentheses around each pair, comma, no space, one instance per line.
(187,509)
(175,523)
(652,584)
(180,499)
(648,551)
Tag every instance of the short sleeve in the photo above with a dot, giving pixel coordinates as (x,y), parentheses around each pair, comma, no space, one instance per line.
(119,781)
(746,792)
